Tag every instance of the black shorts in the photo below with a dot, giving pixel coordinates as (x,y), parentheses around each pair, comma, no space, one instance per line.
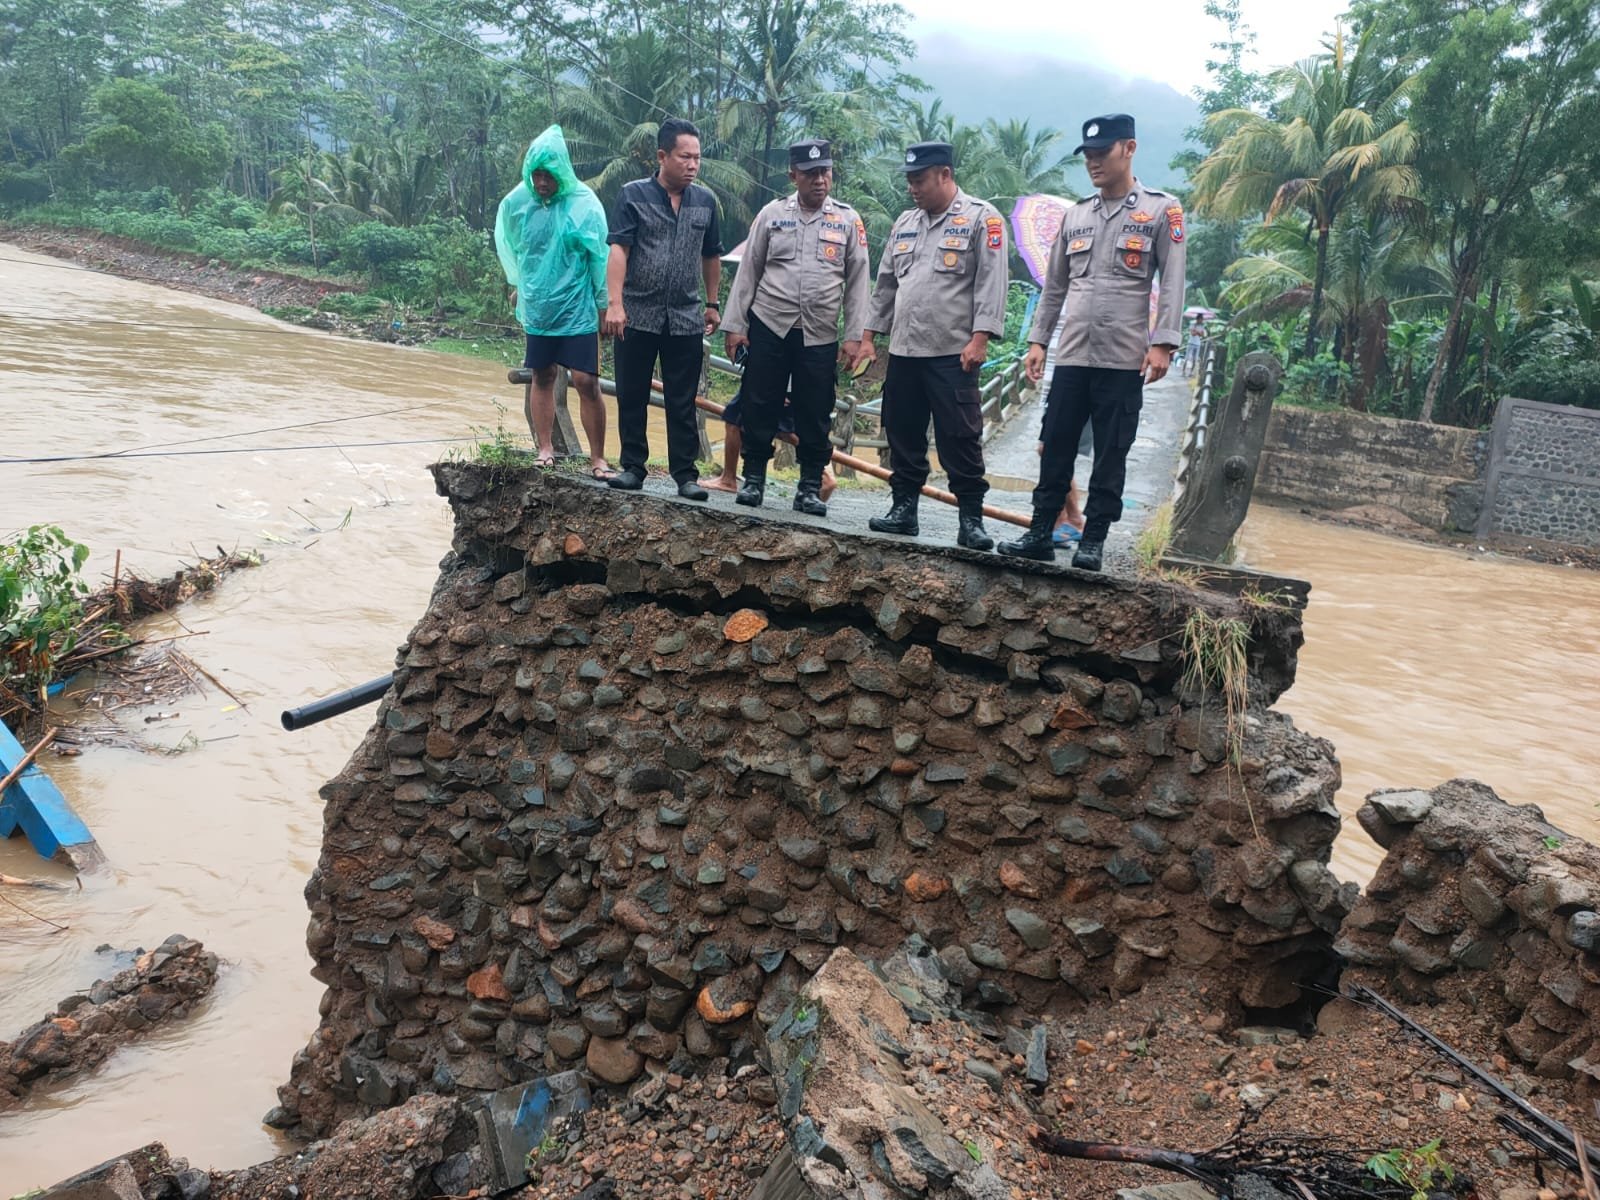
(576,352)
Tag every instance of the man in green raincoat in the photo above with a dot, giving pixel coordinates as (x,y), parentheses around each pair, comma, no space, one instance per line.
(550,234)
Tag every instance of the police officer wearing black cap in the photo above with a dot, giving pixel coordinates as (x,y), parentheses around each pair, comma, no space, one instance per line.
(1110,249)
(941,296)
(806,259)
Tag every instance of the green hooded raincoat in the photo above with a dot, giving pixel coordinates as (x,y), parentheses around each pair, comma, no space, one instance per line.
(553,251)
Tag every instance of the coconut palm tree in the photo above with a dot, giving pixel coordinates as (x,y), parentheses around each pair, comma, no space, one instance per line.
(1031,157)
(1375,267)
(611,114)
(1338,139)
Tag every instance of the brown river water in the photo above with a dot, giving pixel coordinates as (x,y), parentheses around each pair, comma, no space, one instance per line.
(1420,664)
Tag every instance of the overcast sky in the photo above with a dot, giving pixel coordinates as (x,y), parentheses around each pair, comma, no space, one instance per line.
(1167,40)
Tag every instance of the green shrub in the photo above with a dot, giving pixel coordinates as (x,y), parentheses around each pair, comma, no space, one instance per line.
(41,601)
(1574,381)
(1320,381)
(356,305)
(20,186)
(380,250)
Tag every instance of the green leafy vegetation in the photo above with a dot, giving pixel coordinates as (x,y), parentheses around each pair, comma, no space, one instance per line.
(1216,661)
(1370,214)
(1421,1169)
(372,146)
(1150,544)
(41,604)
(547,1146)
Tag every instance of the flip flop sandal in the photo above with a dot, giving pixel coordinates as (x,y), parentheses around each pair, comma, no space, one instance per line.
(1065,535)
(602,473)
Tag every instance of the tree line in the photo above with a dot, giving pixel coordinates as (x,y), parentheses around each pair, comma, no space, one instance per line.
(369,136)
(1409,213)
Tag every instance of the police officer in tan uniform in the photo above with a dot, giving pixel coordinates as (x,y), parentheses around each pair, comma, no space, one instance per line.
(805,260)
(1110,249)
(941,296)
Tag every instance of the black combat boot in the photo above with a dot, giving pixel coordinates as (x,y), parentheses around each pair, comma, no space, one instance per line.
(972,534)
(808,496)
(754,489)
(1090,551)
(1039,542)
(901,518)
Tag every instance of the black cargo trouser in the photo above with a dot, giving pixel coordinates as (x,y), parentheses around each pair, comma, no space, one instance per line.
(1109,400)
(778,365)
(915,389)
(681,356)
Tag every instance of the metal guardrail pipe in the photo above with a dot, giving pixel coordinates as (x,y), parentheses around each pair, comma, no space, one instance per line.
(1194,438)
(340,702)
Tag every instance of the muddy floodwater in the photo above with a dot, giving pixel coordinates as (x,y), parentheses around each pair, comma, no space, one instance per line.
(1420,664)
(1425,663)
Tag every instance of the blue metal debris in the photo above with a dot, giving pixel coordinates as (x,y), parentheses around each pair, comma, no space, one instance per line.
(516,1120)
(36,806)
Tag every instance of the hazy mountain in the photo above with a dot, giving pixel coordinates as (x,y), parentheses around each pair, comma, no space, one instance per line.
(979,83)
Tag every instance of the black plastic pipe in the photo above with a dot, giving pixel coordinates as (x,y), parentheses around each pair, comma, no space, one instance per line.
(332,706)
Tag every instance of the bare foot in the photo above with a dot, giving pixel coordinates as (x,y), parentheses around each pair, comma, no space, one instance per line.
(720,483)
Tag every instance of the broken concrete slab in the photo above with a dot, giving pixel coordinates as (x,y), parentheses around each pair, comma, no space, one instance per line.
(856,1125)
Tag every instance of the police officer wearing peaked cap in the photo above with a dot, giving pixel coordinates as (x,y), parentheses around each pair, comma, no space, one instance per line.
(1111,248)
(805,261)
(941,296)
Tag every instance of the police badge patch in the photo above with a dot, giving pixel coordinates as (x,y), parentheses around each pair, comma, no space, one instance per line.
(995,228)
(1175,222)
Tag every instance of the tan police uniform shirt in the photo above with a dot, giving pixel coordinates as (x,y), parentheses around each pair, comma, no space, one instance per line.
(941,279)
(799,268)
(1101,268)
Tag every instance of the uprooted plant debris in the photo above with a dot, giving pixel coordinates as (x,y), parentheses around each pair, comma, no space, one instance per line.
(1279,1166)
(130,670)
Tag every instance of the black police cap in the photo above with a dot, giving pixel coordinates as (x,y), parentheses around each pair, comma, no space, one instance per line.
(928,154)
(810,155)
(1100,132)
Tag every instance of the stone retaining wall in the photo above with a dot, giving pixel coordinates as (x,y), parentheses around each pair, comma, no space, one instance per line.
(645,763)
(1486,902)
(1544,474)
(1431,473)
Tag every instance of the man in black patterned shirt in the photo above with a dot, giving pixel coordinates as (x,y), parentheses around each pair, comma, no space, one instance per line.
(666,243)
